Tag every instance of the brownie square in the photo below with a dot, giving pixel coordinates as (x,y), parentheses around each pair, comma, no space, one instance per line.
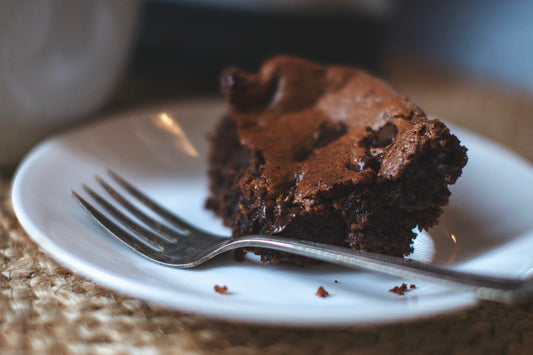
(329,154)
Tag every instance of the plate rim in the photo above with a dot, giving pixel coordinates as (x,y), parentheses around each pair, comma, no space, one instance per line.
(120,285)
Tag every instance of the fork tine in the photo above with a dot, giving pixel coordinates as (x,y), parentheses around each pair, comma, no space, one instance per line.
(167,233)
(150,250)
(154,206)
(142,232)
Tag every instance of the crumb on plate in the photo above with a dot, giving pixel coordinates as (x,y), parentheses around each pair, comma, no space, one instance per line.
(223,290)
(321,292)
(399,290)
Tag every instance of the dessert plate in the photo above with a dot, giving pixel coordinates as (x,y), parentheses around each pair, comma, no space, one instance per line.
(486,228)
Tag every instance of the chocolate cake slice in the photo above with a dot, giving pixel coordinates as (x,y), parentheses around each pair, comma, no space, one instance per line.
(329,154)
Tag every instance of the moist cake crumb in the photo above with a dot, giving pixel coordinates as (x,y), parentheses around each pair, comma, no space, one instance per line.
(321,292)
(402,289)
(240,255)
(223,290)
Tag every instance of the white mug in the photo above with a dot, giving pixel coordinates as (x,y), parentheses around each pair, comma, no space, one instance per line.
(59,61)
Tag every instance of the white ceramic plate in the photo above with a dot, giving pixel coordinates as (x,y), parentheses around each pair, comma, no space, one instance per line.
(165,155)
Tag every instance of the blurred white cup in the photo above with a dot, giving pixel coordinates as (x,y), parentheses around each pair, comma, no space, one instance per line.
(59,61)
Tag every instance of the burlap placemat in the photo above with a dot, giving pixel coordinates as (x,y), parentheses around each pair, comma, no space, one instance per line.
(45,309)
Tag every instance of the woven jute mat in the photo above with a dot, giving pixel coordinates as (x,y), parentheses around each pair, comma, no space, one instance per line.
(46,309)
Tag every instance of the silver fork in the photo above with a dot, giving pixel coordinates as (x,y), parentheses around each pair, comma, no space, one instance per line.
(186,246)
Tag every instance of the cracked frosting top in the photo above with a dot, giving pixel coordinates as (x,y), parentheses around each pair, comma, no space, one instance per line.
(316,126)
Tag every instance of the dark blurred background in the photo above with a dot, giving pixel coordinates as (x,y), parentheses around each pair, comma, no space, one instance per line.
(183,45)
(468,62)
(189,42)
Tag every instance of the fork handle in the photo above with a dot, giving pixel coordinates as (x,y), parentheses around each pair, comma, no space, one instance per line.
(485,287)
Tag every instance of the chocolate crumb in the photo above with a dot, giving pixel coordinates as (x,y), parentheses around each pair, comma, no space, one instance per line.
(223,290)
(336,281)
(412,286)
(321,292)
(399,290)
(239,254)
